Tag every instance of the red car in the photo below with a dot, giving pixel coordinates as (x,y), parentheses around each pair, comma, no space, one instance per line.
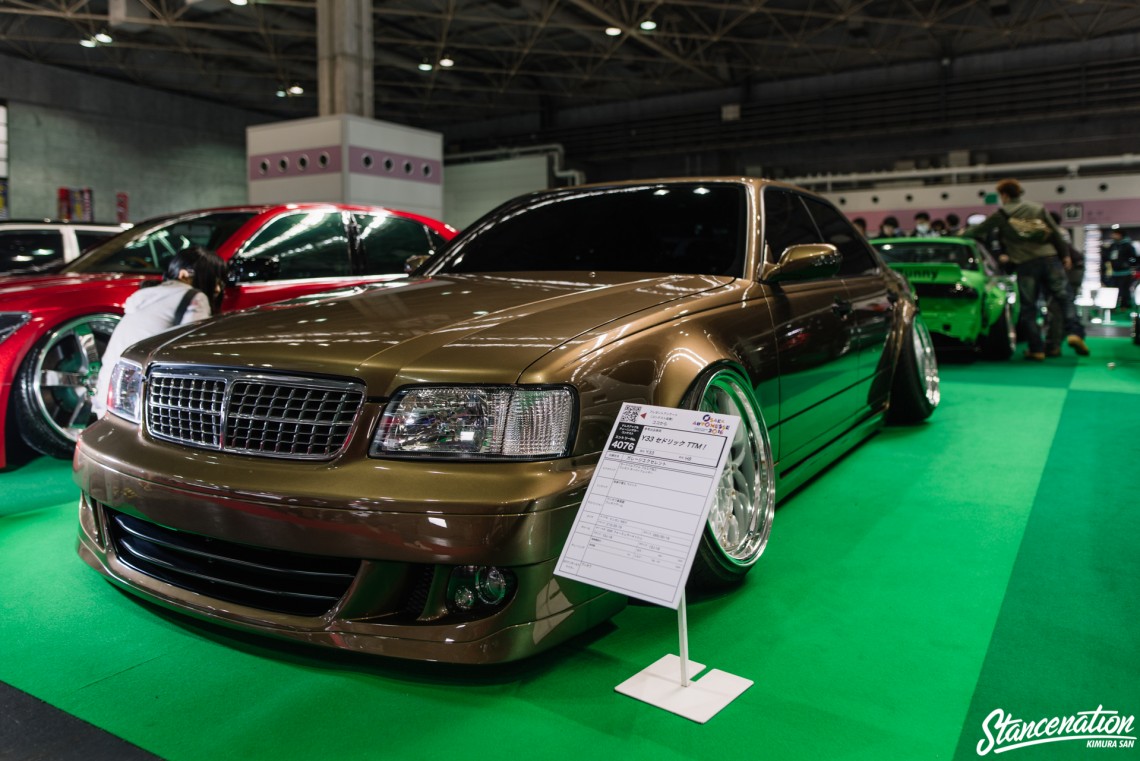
(53,328)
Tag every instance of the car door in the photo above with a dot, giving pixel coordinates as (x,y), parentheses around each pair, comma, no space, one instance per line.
(872,305)
(815,334)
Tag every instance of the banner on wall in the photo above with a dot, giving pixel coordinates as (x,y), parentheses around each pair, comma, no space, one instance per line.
(122,207)
(75,205)
(4,213)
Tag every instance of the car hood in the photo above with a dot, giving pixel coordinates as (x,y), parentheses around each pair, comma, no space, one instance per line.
(26,291)
(462,329)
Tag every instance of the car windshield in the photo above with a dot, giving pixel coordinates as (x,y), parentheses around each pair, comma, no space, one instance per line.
(147,247)
(929,252)
(689,228)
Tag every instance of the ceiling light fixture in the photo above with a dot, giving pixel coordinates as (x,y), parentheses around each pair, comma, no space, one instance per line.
(613,31)
(88,42)
(296,90)
(648,25)
(104,38)
(239,2)
(447,62)
(425,66)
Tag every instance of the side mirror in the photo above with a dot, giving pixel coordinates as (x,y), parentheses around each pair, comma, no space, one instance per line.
(414,262)
(252,270)
(806,261)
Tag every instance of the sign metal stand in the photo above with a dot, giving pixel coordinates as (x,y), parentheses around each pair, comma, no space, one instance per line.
(666,683)
(659,463)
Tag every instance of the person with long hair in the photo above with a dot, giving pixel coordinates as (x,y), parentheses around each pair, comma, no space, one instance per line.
(191,290)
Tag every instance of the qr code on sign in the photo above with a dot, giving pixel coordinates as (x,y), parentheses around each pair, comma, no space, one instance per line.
(630,413)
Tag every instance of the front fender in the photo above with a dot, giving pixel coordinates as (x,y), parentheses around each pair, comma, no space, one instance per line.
(659,364)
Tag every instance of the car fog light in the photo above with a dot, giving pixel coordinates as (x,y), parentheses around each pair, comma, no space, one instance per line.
(474,587)
(464,598)
(490,585)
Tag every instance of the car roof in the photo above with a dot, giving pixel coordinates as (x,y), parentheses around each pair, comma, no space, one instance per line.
(263,208)
(58,223)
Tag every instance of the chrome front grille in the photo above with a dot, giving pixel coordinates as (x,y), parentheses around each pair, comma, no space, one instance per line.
(186,409)
(251,413)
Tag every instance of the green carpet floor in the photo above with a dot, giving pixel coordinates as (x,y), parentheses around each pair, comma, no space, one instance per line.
(987,559)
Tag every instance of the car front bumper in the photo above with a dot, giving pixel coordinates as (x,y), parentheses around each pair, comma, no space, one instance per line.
(403,526)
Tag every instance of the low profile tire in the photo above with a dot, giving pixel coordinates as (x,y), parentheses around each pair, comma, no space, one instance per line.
(56,382)
(914,390)
(1001,341)
(741,516)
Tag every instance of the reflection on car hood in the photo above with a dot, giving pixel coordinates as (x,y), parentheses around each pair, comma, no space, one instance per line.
(16,289)
(465,329)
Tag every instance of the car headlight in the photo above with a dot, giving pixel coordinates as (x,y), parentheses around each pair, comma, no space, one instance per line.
(10,322)
(124,394)
(482,422)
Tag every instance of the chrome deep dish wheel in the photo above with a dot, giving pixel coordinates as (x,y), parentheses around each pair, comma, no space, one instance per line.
(741,516)
(57,382)
(926,362)
(914,388)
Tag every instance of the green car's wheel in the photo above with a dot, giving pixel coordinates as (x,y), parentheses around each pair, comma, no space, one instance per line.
(914,390)
(55,383)
(741,516)
(1001,341)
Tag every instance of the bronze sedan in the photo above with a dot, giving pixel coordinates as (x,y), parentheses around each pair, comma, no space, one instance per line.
(394,468)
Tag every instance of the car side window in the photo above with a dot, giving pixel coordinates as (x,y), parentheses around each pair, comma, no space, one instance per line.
(299,245)
(29,248)
(786,222)
(85,239)
(839,232)
(387,241)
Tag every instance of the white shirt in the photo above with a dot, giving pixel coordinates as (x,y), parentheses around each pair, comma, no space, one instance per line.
(147,312)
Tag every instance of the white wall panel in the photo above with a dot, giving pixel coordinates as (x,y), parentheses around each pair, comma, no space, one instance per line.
(167,152)
(471,190)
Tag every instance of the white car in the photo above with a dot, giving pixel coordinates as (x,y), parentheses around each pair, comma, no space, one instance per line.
(36,246)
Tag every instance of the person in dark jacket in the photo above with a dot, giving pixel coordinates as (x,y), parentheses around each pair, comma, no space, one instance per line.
(922,227)
(1032,241)
(1074,262)
(889,228)
(1120,261)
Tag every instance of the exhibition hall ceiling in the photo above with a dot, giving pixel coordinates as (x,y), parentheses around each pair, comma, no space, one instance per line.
(529,56)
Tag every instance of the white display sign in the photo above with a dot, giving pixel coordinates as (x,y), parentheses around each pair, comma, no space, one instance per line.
(640,523)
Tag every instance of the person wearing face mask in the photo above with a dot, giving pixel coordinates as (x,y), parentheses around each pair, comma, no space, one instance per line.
(922,227)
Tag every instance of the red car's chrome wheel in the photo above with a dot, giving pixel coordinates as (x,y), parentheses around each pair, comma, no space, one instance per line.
(57,380)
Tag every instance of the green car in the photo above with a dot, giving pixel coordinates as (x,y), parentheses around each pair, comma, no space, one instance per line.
(968,302)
